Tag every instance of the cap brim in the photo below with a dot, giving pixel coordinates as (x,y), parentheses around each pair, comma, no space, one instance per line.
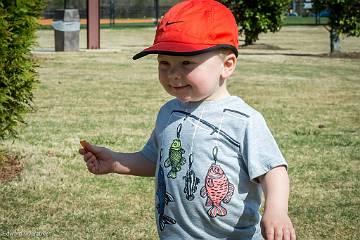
(182,49)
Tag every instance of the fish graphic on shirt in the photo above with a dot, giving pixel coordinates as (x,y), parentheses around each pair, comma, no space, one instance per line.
(217,189)
(164,199)
(175,159)
(191,181)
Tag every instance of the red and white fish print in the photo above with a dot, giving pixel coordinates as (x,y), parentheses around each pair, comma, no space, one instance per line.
(217,189)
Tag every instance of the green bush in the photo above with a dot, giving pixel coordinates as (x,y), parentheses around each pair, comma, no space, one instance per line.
(18,23)
(257,16)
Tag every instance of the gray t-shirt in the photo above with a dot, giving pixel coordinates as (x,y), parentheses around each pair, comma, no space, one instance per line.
(208,156)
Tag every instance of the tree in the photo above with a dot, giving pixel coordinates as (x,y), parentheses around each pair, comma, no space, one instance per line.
(257,16)
(344,19)
(18,22)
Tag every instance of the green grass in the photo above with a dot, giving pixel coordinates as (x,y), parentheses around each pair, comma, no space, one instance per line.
(105,97)
(2,157)
(298,21)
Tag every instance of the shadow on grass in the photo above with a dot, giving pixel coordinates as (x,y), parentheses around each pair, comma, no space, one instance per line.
(270,47)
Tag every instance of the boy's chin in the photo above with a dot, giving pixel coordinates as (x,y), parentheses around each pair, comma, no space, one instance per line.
(187,99)
(184,100)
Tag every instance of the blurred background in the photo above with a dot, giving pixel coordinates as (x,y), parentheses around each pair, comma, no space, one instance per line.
(146,11)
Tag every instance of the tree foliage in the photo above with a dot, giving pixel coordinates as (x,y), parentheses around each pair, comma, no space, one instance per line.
(18,22)
(344,15)
(344,19)
(257,16)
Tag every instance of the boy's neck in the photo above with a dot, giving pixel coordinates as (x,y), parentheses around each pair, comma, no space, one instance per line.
(221,93)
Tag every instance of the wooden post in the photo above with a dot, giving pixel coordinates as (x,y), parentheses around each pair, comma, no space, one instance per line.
(93,24)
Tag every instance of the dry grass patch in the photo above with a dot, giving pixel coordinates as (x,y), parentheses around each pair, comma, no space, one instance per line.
(10,166)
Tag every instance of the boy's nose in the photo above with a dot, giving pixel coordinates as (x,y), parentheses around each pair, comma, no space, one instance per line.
(174,74)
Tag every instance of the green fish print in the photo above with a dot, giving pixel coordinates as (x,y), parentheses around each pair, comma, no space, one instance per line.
(175,159)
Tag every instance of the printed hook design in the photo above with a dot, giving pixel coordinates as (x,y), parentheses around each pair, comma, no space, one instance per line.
(215,152)
(178,130)
(191,160)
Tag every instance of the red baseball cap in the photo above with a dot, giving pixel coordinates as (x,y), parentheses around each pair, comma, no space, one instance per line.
(193,27)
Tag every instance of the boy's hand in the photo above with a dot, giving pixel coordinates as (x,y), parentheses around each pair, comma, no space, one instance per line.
(276,225)
(99,160)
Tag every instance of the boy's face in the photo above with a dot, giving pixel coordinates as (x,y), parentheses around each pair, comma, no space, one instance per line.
(193,78)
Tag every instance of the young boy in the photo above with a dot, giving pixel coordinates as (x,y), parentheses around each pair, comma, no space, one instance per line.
(211,153)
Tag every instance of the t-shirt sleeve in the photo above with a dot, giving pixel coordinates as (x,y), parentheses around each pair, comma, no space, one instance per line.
(260,150)
(150,150)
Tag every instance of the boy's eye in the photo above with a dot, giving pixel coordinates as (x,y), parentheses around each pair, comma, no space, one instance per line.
(163,63)
(186,63)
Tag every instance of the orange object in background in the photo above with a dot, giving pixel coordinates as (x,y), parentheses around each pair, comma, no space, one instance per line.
(48,22)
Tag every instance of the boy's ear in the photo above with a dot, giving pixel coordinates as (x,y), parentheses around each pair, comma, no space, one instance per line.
(229,65)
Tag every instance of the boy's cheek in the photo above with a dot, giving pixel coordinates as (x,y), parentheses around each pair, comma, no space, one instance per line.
(163,82)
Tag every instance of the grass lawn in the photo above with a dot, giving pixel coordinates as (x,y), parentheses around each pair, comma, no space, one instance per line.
(311,103)
(304,20)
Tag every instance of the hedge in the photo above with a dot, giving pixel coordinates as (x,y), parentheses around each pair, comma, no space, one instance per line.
(18,76)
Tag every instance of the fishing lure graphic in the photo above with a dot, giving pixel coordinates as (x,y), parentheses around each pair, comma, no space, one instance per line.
(217,189)
(164,198)
(175,158)
(191,181)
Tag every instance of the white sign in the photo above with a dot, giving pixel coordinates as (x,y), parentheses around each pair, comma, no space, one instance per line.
(66,26)
(308,5)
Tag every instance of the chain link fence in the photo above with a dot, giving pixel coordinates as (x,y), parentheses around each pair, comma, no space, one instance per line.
(113,9)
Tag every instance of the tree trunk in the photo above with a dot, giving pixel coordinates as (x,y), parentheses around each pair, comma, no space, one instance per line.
(248,40)
(334,41)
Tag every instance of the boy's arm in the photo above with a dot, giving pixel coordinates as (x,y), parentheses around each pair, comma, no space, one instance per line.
(275,223)
(133,164)
(101,160)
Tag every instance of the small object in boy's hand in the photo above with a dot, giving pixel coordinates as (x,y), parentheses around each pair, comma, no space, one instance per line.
(83,144)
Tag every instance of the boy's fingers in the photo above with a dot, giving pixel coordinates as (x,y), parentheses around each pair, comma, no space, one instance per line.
(92,159)
(278,234)
(82,151)
(88,155)
(292,234)
(286,234)
(269,234)
(90,167)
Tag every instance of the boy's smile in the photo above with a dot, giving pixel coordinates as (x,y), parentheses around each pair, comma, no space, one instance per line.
(193,78)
